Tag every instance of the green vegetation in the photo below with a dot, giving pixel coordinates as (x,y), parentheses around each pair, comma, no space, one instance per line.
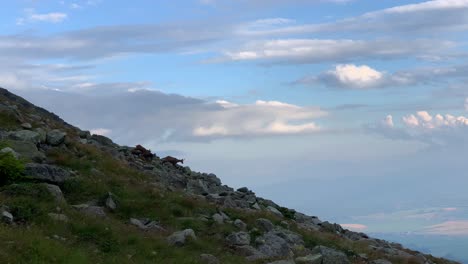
(11,169)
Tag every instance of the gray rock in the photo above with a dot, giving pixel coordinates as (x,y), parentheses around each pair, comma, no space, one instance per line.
(42,134)
(58,217)
(55,137)
(264,224)
(91,210)
(272,245)
(218,218)
(256,206)
(27,150)
(208,259)
(84,134)
(274,211)
(380,261)
(26,126)
(7,217)
(248,251)
(243,190)
(55,191)
(26,135)
(146,224)
(110,203)
(310,259)
(238,239)
(330,256)
(282,262)
(11,151)
(240,224)
(180,238)
(45,172)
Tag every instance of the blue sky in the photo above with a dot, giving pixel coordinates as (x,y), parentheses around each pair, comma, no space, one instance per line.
(355,111)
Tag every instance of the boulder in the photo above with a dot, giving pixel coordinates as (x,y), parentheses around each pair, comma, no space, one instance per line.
(273,246)
(330,256)
(11,151)
(45,172)
(27,150)
(91,210)
(208,259)
(55,191)
(6,217)
(238,239)
(26,126)
(243,190)
(26,135)
(264,224)
(218,218)
(55,137)
(310,259)
(240,224)
(58,217)
(146,224)
(110,203)
(274,211)
(380,261)
(180,238)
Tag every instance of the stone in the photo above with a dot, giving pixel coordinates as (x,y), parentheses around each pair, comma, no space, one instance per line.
(256,206)
(91,210)
(11,151)
(26,135)
(282,262)
(55,191)
(58,217)
(238,239)
(272,245)
(180,238)
(27,150)
(7,217)
(380,261)
(45,172)
(26,126)
(84,134)
(240,224)
(330,256)
(55,137)
(274,211)
(218,218)
(110,203)
(264,224)
(146,224)
(208,259)
(310,259)
(243,190)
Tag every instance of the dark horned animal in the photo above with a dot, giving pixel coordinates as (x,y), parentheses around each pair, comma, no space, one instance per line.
(172,160)
(141,151)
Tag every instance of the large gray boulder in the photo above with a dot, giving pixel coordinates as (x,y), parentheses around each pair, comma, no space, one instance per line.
(45,172)
(330,256)
(238,239)
(6,216)
(27,150)
(55,137)
(273,246)
(240,224)
(180,238)
(10,151)
(55,191)
(264,224)
(274,211)
(26,135)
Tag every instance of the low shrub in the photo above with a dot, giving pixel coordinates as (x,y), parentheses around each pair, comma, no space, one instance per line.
(11,169)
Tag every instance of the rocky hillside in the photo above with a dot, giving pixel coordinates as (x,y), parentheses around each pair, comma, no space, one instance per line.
(67,196)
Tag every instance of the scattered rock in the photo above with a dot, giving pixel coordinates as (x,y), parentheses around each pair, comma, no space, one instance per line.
(264,224)
(380,261)
(256,206)
(11,151)
(238,239)
(243,190)
(219,219)
(208,259)
(58,217)
(91,210)
(26,135)
(26,126)
(55,137)
(7,217)
(310,259)
(55,191)
(272,246)
(274,211)
(45,172)
(27,150)
(330,256)
(179,238)
(110,203)
(240,224)
(146,224)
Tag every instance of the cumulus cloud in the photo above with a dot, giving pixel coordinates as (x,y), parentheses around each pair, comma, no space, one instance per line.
(355,227)
(146,115)
(449,228)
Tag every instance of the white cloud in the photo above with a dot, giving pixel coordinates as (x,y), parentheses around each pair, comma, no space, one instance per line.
(466,104)
(449,228)
(101,131)
(32,16)
(354,227)
(350,76)
(388,121)
(261,118)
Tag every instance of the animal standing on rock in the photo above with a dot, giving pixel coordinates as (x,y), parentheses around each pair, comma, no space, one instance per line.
(141,151)
(172,160)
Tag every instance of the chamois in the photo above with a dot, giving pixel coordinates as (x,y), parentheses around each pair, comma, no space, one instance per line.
(172,160)
(139,150)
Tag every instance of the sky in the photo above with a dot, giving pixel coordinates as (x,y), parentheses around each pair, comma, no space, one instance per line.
(352,110)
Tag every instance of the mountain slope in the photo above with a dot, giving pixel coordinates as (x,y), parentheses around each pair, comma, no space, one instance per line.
(67,196)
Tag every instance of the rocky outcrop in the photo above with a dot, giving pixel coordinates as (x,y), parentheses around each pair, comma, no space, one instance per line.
(55,137)
(47,173)
(180,238)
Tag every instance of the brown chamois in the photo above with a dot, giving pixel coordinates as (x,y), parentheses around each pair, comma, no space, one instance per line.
(141,151)
(172,160)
